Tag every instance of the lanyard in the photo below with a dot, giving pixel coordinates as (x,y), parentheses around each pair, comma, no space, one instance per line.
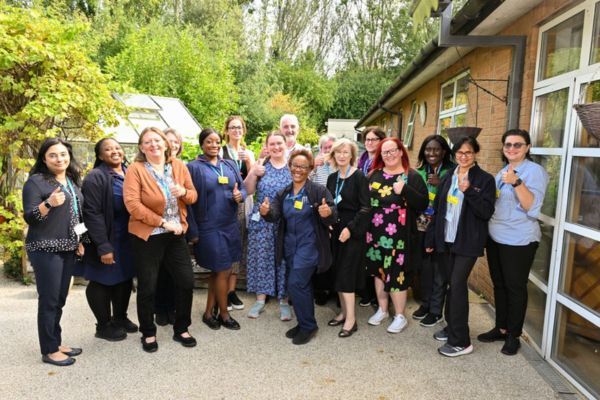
(234,156)
(298,196)
(216,170)
(454,186)
(74,199)
(366,166)
(338,187)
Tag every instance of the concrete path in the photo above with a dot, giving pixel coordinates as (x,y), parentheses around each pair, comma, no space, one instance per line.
(257,362)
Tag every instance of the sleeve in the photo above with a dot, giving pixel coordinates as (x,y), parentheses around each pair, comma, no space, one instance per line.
(360,223)
(415,192)
(32,198)
(93,190)
(191,194)
(132,195)
(482,200)
(536,182)
(192,232)
(275,210)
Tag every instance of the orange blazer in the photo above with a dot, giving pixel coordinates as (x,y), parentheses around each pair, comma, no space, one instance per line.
(146,202)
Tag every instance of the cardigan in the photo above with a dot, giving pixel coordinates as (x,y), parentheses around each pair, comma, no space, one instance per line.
(477,209)
(146,202)
(315,194)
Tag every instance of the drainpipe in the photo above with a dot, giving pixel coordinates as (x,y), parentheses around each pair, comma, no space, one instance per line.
(515,86)
(398,114)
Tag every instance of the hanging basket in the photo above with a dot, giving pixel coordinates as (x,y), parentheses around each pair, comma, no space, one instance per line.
(454,134)
(589,115)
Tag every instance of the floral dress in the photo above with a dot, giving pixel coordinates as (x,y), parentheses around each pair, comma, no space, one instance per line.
(263,276)
(391,229)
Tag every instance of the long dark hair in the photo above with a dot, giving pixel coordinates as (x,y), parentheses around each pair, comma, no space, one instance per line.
(446,160)
(517,132)
(98,148)
(470,140)
(40,167)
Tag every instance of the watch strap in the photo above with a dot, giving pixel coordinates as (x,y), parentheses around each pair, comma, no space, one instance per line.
(518,182)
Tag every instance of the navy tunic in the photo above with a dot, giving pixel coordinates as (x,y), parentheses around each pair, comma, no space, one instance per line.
(300,243)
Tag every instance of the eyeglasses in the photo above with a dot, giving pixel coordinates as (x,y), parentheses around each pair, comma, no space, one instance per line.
(388,153)
(300,167)
(464,154)
(235,128)
(371,140)
(517,145)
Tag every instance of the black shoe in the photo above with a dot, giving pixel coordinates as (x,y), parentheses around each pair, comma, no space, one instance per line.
(303,337)
(492,336)
(149,347)
(291,333)
(125,324)
(64,363)
(235,301)
(420,313)
(364,302)
(171,317)
(110,332)
(430,320)
(212,322)
(511,345)
(185,341)
(344,333)
(75,351)
(215,311)
(229,323)
(336,322)
(161,318)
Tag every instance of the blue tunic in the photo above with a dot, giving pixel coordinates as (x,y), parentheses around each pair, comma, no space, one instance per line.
(215,223)
(300,242)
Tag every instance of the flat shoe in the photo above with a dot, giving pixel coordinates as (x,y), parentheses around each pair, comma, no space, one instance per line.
(185,341)
(212,322)
(303,337)
(229,323)
(149,347)
(290,333)
(345,333)
(336,322)
(64,363)
(75,351)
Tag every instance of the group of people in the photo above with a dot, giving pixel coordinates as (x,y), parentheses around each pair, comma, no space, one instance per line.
(373,222)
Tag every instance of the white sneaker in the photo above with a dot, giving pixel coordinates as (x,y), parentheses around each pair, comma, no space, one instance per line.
(398,324)
(378,317)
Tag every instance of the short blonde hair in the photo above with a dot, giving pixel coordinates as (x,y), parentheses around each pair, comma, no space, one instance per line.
(141,157)
(337,146)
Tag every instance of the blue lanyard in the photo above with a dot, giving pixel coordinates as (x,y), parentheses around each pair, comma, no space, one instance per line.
(216,170)
(297,196)
(74,200)
(454,186)
(338,187)
(366,166)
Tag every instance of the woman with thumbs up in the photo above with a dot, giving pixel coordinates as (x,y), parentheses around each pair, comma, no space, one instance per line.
(214,227)
(52,206)
(304,210)
(458,232)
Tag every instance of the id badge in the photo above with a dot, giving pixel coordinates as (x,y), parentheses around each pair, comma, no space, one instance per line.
(431,196)
(223,180)
(452,199)
(376,185)
(497,193)
(338,199)
(298,204)
(80,229)
(255,217)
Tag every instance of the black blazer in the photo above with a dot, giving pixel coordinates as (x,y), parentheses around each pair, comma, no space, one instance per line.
(315,194)
(476,211)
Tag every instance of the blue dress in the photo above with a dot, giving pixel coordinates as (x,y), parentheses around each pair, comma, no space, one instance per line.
(263,275)
(215,222)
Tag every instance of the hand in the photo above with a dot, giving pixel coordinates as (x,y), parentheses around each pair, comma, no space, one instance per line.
(107,259)
(265,207)
(173,227)
(429,250)
(259,168)
(237,195)
(510,176)
(398,185)
(463,183)
(242,153)
(344,235)
(324,209)
(319,161)
(80,250)
(433,179)
(57,198)
(177,190)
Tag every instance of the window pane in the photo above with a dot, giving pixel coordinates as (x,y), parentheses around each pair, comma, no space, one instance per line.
(552,166)
(580,276)
(534,319)
(561,47)
(541,262)
(445,123)
(577,348)
(549,119)
(584,194)
(462,86)
(595,56)
(460,120)
(592,94)
(448,96)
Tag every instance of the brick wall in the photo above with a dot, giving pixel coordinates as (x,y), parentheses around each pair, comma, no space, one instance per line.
(484,110)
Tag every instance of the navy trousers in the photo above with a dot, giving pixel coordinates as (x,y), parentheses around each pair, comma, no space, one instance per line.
(53,273)
(300,290)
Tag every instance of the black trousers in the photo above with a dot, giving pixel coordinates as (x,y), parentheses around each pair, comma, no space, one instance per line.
(165,292)
(53,273)
(101,297)
(434,283)
(171,250)
(458,269)
(509,269)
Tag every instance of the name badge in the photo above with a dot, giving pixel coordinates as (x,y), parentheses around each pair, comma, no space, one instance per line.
(497,193)
(298,204)
(376,185)
(431,196)
(452,199)
(338,198)
(255,217)
(80,229)
(223,180)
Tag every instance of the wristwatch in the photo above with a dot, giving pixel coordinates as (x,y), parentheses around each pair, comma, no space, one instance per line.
(517,182)
(47,204)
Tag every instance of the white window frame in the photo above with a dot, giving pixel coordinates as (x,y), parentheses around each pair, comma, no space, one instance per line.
(410,126)
(455,110)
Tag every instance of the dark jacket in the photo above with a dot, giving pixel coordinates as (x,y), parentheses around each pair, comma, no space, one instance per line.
(98,213)
(315,194)
(54,232)
(476,211)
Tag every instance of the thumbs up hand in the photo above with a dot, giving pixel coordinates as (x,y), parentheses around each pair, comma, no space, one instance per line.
(463,182)
(242,153)
(177,190)
(237,195)
(259,168)
(510,177)
(324,209)
(398,185)
(265,207)
(57,197)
